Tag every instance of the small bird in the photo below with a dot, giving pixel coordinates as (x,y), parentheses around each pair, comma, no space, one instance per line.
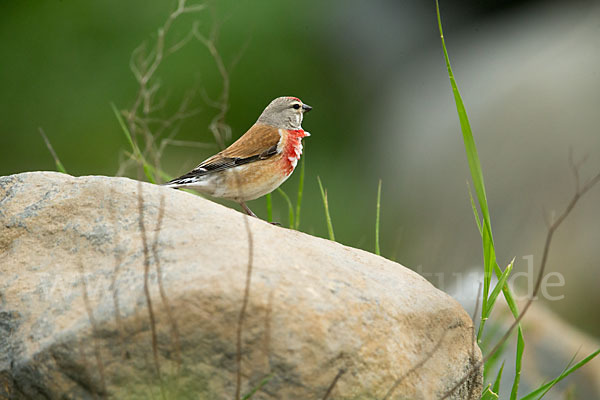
(258,162)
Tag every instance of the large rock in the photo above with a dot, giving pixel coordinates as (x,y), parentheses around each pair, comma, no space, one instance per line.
(79,274)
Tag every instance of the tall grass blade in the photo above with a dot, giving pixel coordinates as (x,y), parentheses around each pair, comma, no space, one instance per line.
(498,288)
(520,349)
(164,176)
(542,390)
(300,192)
(326,205)
(496,387)
(289,204)
(149,170)
(269,207)
(134,147)
(475,212)
(59,166)
(377,249)
(489,253)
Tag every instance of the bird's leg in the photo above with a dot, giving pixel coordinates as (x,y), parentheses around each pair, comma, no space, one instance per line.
(248,211)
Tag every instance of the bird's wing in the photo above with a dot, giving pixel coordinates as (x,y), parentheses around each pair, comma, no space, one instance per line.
(258,143)
(256,140)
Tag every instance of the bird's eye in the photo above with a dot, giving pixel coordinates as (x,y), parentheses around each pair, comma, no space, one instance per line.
(296,106)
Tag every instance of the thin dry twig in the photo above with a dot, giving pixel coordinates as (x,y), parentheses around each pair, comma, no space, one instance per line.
(555,223)
(220,130)
(144,64)
(242,315)
(146,250)
(94,324)
(163,293)
(341,372)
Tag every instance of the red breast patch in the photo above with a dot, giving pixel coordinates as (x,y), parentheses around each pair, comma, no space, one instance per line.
(293,149)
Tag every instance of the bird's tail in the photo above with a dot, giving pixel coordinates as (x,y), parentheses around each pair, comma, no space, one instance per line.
(189,179)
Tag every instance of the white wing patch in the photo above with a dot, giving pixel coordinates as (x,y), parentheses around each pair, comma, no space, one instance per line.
(280,143)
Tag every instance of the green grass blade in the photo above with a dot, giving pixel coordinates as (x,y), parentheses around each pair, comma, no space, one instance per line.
(326,205)
(269,207)
(59,166)
(542,390)
(488,394)
(255,389)
(157,172)
(489,252)
(474,167)
(520,349)
(469,142)
(165,177)
(289,204)
(300,192)
(149,170)
(496,387)
(377,249)
(498,288)
(474,207)
(134,147)
(505,289)
(489,259)
(510,300)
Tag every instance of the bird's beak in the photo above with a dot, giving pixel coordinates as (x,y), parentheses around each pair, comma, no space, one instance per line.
(306,108)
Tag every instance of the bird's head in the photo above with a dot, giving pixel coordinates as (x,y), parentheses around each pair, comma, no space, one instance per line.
(285,113)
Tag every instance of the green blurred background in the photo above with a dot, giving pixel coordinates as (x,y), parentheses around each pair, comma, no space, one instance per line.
(375,75)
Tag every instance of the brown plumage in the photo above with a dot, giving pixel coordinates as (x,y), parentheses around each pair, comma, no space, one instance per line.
(259,161)
(256,142)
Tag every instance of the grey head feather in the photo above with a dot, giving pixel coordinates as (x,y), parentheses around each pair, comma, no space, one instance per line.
(280,113)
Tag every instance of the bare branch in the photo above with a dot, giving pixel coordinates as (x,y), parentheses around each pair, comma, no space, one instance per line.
(146,250)
(341,372)
(144,63)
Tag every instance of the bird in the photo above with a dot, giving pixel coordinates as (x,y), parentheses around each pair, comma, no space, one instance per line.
(258,162)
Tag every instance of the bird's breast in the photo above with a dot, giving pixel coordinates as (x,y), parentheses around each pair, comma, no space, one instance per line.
(291,147)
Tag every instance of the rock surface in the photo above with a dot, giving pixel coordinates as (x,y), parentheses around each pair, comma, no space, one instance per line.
(82,263)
